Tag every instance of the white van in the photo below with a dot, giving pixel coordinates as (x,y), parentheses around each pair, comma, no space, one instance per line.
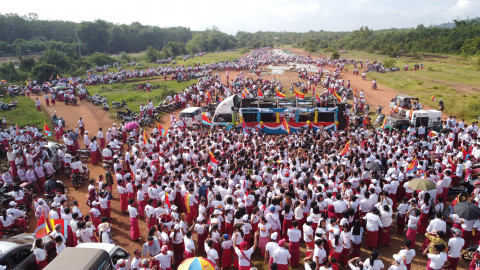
(191,115)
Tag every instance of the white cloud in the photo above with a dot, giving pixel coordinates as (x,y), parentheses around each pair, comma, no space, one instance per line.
(295,9)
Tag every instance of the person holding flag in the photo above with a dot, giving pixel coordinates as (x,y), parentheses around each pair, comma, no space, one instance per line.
(345,149)
(190,206)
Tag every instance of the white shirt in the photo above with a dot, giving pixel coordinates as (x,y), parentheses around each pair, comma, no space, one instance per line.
(409,254)
(294,235)
(281,256)
(40,254)
(437,224)
(456,245)
(165,260)
(373,222)
(189,245)
(437,260)
(377,264)
(242,260)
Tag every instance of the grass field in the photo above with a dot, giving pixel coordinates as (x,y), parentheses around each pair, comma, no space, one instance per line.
(451,78)
(159,90)
(25,113)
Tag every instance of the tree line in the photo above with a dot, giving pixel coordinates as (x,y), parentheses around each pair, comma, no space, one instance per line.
(73,48)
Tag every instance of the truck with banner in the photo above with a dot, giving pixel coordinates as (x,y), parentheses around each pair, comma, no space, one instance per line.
(269,115)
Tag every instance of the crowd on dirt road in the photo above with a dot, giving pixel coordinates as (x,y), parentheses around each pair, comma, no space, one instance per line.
(202,190)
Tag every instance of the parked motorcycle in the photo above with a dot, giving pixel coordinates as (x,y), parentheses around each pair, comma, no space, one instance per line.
(79,178)
(118,105)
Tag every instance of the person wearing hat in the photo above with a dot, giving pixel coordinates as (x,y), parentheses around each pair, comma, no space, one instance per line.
(270,248)
(455,245)
(226,252)
(273,219)
(398,263)
(121,265)
(245,254)
(281,256)
(21,220)
(133,213)
(165,258)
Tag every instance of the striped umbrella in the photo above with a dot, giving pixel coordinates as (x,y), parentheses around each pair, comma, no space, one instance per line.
(197,263)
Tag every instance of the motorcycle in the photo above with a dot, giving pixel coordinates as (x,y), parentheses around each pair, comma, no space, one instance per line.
(379,110)
(366,109)
(7,107)
(441,106)
(72,101)
(55,120)
(118,105)
(106,107)
(379,120)
(79,178)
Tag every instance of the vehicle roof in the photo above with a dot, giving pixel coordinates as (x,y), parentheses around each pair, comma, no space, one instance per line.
(191,110)
(405,96)
(78,259)
(8,244)
(107,247)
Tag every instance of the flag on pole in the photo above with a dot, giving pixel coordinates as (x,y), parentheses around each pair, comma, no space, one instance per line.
(17,130)
(432,134)
(410,115)
(145,138)
(168,205)
(58,77)
(279,95)
(299,95)
(46,130)
(42,229)
(26,82)
(244,127)
(63,223)
(244,95)
(49,84)
(246,90)
(165,133)
(4,81)
(213,160)
(206,121)
(384,124)
(260,94)
(433,98)
(318,98)
(285,125)
(339,99)
(220,99)
(412,166)
(345,149)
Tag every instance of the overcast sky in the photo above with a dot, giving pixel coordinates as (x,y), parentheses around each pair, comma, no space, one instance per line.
(254,15)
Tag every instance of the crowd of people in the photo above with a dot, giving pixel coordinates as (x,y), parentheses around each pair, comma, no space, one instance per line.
(221,194)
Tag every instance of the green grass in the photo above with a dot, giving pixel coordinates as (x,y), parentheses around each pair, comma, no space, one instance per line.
(205,59)
(455,79)
(25,113)
(133,98)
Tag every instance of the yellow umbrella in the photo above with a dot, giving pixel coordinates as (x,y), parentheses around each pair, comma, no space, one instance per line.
(197,263)
(421,184)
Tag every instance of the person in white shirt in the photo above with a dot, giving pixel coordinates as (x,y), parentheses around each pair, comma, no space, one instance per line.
(455,245)
(245,254)
(373,263)
(407,253)
(281,256)
(270,248)
(165,258)
(59,244)
(212,254)
(398,263)
(189,245)
(374,223)
(294,235)
(438,260)
(40,254)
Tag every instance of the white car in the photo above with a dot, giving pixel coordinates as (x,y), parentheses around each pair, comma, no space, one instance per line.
(191,115)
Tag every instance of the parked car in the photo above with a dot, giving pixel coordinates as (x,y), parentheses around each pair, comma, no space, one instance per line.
(191,115)
(116,253)
(52,150)
(16,253)
(81,259)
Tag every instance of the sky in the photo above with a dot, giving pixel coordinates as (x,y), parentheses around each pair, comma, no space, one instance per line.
(254,15)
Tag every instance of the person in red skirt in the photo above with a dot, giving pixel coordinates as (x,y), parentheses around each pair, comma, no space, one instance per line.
(294,235)
(400,216)
(226,252)
(40,254)
(412,225)
(374,224)
(288,215)
(122,192)
(177,239)
(201,228)
(386,217)
(134,229)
